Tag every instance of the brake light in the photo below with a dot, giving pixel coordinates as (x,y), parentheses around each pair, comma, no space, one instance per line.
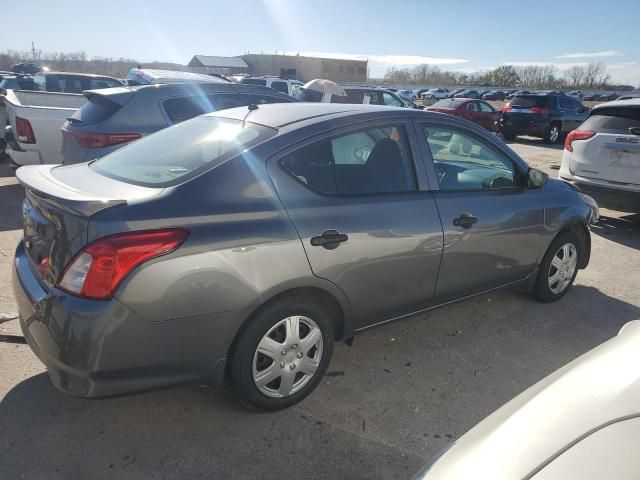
(99,140)
(576,135)
(97,270)
(541,110)
(506,108)
(24,131)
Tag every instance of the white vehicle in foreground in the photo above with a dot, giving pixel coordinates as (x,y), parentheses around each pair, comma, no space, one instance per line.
(435,93)
(582,422)
(35,118)
(602,156)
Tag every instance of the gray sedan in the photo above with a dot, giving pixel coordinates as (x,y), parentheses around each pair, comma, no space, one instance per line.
(241,244)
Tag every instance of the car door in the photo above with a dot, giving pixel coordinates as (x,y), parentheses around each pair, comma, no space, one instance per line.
(488,116)
(365,217)
(472,112)
(491,222)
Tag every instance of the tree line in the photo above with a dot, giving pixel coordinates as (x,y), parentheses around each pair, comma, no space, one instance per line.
(592,76)
(78,62)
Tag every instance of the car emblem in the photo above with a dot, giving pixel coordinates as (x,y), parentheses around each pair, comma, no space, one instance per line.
(626,140)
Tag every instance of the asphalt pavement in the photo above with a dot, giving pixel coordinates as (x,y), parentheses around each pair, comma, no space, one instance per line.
(392,400)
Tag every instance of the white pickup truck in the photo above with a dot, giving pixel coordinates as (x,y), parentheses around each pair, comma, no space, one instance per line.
(33,135)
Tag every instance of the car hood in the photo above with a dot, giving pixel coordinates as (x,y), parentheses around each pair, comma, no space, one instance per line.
(522,436)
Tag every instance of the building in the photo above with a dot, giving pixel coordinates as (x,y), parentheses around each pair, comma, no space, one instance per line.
(307,68)
(220,65)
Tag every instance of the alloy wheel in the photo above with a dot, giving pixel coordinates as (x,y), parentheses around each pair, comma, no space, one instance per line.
(554,133)
(563,267)
(287,357)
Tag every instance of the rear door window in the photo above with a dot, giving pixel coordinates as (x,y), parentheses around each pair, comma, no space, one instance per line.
(486,108)
(391,100)
(565,104)
(262,99)
(179,109)
(371,161)
(226,100)
(254,81)
(175,154)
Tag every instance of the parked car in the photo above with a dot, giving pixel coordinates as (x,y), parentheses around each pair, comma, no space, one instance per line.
(608,97)
(548,116)
(407,94)
(467,94)
(435,93)
(290,87)
(602,156)
(241,244)
(33,135)
(26,68)
(628,96)
(592,97)
(454,92)
(581,422)
(113,117)
(475,111)
(11,82)
(64,82)
(152,76)
(355,95)
(494,95)
(576,94)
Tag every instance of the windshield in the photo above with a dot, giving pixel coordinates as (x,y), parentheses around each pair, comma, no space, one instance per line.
(175,154)
(448,103)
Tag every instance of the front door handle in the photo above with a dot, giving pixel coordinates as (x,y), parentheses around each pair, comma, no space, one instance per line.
(466,220)
(329,239)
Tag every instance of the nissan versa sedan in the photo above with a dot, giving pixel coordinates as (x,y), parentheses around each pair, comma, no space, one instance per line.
(237,246)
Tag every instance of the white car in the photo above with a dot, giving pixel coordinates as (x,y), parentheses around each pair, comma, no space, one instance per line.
(602,156)
(435,93)
(287,86)
(408,94)
(582,422)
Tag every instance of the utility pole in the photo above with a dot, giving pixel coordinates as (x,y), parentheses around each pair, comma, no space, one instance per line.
(33,51)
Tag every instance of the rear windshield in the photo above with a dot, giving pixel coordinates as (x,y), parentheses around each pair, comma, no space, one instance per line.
(254,81)
(175,154)
(97,109)
(448,103)
(528,102)
(612,120)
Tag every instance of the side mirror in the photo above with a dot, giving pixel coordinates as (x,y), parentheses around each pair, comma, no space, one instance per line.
(536,178)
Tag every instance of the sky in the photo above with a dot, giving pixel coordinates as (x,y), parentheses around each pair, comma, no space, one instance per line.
(462,36)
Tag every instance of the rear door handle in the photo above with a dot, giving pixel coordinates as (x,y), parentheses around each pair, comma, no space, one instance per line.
(329,239)
(466,220)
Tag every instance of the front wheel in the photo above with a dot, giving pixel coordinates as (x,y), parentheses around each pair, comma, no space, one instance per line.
(283,354)
(508,135)
(558,268)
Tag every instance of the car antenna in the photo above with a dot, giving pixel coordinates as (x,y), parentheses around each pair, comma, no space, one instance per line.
(251,107)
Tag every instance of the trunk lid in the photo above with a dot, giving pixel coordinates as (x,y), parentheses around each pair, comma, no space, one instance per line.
(57,209)
(613,153)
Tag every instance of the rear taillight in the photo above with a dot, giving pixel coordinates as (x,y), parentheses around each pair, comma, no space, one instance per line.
(99,140)
(576,135)
(97,270)
(24,131)
(506,108)
(541,110)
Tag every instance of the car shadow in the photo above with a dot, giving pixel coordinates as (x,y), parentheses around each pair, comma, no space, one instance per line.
(624,230)
(400,394)
(11,197)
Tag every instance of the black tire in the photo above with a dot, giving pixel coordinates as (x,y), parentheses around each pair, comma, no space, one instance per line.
(241,357)
(552,134)
(508,135)
(542,291)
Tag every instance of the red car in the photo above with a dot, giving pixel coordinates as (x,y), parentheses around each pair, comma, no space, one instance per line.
(477,111)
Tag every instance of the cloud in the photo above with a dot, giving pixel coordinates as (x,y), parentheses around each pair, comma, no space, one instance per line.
(385,60)
(604,53)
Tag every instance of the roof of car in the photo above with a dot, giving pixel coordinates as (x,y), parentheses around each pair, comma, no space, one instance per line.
(277,115)
(630,102)
(92,75)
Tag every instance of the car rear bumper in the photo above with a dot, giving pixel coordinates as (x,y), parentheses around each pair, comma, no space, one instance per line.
(533,127)
(615,196)
(103,348)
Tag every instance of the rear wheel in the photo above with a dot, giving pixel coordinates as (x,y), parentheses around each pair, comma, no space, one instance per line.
(553,134)
(559,268)
(283,354)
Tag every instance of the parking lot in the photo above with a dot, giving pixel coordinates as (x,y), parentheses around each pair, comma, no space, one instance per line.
(389,402)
